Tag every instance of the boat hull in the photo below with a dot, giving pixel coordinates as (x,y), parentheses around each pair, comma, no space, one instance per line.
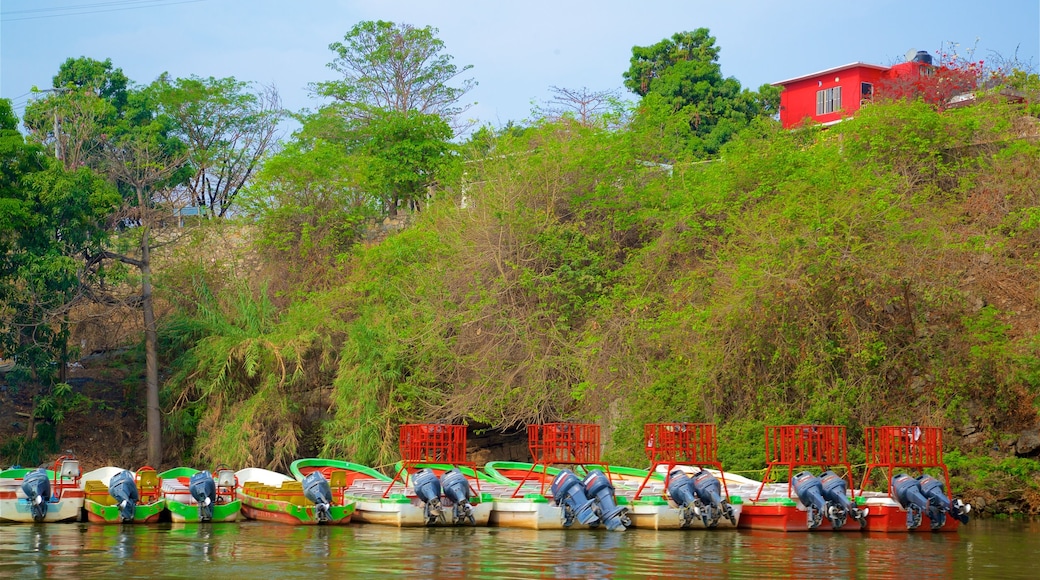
(285,512)
(650,514)
(366,488)
(109,514)
(15,507)
(188,513)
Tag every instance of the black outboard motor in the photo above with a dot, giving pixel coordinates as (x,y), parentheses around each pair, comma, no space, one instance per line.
(123,488)
(810,493)
(568,491)
(428,488)
(456,488)
(37,488)
(316,489)
(598,486)
(204,490)
(839,506)
(680,488)
(909,495)
(939,504)
(709,490)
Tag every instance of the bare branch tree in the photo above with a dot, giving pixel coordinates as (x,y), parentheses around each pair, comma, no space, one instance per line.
(585,106)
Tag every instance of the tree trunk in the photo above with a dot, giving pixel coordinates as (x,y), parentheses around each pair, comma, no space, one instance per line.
(151,357)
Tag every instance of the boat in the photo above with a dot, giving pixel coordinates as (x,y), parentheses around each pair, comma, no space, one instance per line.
(684,497)
(385,500)
(809,501)
(116,495)
(42,495)
(194,496)
(275,497)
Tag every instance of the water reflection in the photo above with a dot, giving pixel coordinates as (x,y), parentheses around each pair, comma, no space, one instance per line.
(260,550)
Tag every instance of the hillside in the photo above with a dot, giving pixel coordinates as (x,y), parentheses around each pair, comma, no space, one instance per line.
(880,271)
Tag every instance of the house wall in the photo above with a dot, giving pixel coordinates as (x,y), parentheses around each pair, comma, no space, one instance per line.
(798,99)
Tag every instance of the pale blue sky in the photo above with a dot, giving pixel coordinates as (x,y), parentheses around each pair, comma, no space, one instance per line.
(518,49)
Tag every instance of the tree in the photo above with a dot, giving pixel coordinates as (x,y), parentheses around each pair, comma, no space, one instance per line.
(87,97)
(583,105)
(49,216)
(229,129)
(143,157)
(396,67)
(684,73)
(400,155)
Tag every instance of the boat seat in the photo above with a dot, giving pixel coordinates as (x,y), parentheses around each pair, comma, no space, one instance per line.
(70,469)
(147,485)
(338,479)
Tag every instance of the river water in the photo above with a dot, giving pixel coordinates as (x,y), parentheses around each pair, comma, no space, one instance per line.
(265,551)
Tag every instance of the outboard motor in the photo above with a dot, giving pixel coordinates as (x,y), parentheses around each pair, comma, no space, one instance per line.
(456,488)
(568,491)
(37,488)
(709,490)
(428,488)
(810,493)
(204,490)
(316,489)
(598,486)
(124,490)
(680,488)
(909,495)
(839,506)
(939,504)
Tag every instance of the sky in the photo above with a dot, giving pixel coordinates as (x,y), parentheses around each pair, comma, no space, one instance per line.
(518,50)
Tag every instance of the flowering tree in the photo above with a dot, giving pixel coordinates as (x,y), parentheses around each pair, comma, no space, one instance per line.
(936,85)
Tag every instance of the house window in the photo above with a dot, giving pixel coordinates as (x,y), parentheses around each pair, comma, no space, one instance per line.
(828,100)
(866,93)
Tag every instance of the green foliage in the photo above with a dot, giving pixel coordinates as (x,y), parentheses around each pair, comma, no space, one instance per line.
(395,67)
(864,274)
(691,98)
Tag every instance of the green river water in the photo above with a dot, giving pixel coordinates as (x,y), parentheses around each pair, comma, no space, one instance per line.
(263,551)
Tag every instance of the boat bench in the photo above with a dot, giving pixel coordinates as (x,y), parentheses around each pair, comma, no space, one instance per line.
(97,492)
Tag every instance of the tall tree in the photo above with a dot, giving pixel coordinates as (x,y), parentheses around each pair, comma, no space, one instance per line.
(86,97)
(147,162)
(684,74)
(396,67)
(48,217)
(228,126)
(400,155)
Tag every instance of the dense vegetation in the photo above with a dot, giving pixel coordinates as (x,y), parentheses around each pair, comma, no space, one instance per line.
(621,271)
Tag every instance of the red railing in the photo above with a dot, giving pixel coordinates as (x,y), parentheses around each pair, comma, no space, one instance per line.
(903,446)
(431,443)
(560,443)
(822,446)
(674,444)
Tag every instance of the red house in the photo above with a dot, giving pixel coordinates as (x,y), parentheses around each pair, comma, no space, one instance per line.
(829,95)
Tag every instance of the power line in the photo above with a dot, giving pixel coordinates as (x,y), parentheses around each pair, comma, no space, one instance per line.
(95,8)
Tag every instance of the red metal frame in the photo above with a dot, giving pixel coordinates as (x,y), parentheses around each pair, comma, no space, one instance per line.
(224,491)
(154,494)
(904,446)
(674,444)
(431,443)
(560,443)
(60,483)
(821,446)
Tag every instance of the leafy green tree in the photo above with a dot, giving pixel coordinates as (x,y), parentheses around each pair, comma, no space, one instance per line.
(229,127)
(396,67)
(308,206)
(147,161)
(684,73)
(86,99)
(400,155)
(49,216)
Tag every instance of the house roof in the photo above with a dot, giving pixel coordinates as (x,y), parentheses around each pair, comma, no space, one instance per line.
(830,71)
